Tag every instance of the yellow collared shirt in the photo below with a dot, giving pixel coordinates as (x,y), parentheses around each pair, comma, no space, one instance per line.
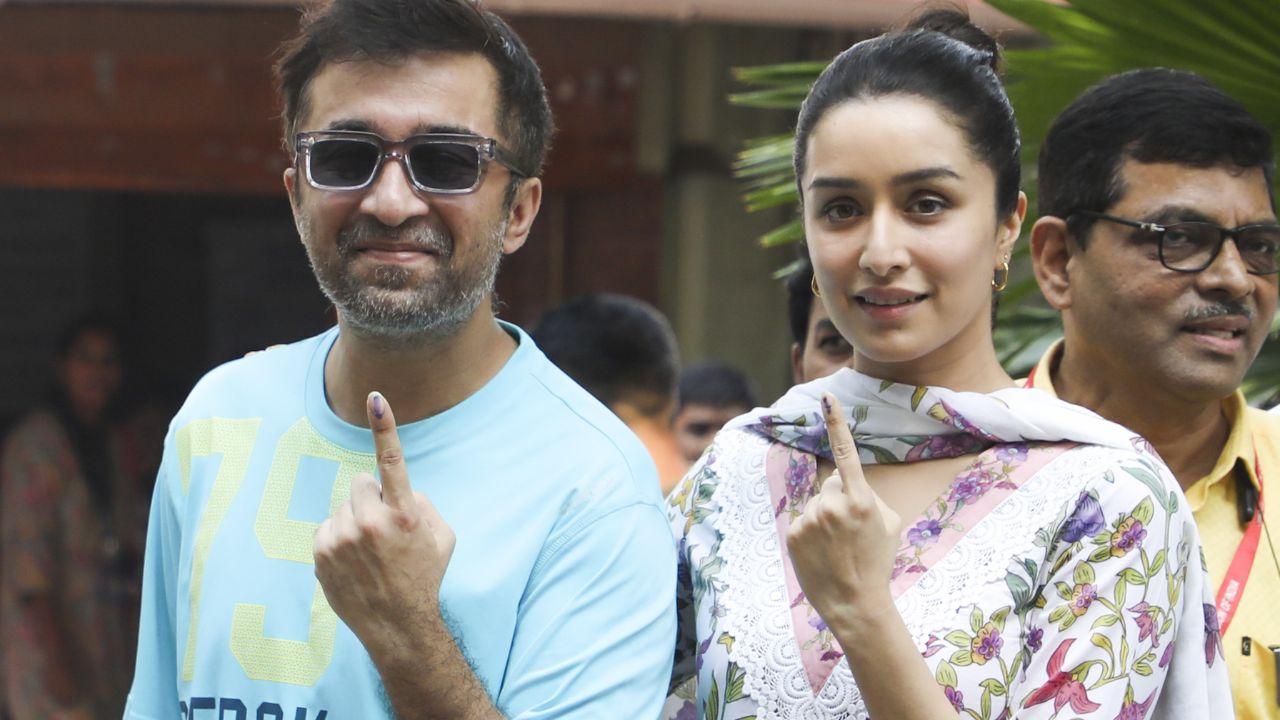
(1254,434)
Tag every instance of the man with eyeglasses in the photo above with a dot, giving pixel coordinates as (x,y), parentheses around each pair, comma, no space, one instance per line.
(511,558)
(1158,243)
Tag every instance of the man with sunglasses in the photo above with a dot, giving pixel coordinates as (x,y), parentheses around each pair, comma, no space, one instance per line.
(1158,243)
(511,558)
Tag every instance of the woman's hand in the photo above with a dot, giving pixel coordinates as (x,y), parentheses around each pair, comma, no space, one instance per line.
(843,545)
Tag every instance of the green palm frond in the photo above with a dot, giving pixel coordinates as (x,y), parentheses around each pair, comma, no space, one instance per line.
(1230,42)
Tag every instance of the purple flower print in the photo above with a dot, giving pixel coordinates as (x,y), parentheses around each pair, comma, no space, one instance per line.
(924,533)
(702,650)
(1085,521)
(947,414)
(1168,655)
(1082,596)
(969,487)
(1132,710)
(900,564)
(799,477)
(1212,635)
(956,697)
(986,644)
(817,623)
(1145,616)
(1127,536)
(1035,638)
(688,711)
(944,446)
(1012,453)
(831,655)
(805,433)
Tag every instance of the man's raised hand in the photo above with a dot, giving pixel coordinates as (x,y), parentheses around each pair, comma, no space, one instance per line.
(381,556)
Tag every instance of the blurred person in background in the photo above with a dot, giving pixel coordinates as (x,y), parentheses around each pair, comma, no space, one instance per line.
(818,349)
(74,516)
(1158,243)
(623,351)
(710,394)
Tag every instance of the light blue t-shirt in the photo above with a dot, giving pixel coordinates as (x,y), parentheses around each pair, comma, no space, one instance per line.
(560,591)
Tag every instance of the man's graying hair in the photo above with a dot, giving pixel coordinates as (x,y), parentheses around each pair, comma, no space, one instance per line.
(388,31)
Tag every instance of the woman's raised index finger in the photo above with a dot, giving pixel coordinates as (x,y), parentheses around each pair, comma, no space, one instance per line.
(843,450)
(397,492)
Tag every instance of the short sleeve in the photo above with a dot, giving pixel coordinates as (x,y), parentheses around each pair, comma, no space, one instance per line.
(1123,624)
(154,694)
(595,627)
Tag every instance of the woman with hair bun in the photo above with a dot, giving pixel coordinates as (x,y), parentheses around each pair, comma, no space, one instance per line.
(917,537)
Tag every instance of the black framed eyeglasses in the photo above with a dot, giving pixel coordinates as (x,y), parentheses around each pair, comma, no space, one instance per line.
(435,162)
(1193,246)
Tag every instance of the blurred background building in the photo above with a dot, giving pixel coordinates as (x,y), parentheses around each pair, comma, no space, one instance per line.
(140,166)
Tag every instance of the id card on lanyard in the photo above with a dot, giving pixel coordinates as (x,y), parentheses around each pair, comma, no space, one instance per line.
(1238,572)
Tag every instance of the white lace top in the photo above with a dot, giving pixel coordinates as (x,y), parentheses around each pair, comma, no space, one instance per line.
(1049,580)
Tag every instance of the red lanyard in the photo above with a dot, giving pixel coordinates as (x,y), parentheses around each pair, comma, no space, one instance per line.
(1238,572)
(1031,378)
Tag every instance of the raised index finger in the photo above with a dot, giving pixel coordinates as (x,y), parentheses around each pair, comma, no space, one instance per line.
(843,449)
(396,489)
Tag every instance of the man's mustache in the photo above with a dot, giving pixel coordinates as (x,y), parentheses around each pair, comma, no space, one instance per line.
(418,235)
(1206,312)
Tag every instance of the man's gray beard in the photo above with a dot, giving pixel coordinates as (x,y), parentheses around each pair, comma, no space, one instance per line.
(391,309)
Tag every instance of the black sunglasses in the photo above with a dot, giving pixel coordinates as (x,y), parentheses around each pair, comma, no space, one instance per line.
(1193,246)
(435,162)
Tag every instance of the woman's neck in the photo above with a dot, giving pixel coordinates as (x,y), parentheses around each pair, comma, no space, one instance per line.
(966,363)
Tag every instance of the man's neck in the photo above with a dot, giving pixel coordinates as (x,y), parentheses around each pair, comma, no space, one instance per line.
(1188,435)
(419,379)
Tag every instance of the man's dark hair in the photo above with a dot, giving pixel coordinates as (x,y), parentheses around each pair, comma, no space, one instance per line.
(388,31)
(1153,115)
(939,56)
(617,347)
(800,299)
(716,384)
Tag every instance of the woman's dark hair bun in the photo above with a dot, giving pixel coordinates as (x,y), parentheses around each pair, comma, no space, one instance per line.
(940,56)
(953,21)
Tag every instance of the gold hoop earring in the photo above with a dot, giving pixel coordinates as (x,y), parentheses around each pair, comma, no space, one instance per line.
(1001,278)
(813,285)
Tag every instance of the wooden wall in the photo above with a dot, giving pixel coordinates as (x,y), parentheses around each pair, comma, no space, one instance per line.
(182,99)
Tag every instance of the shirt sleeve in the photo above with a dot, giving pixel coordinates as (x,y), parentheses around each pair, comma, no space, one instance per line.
(154,694)
(1123,625)
(596,625)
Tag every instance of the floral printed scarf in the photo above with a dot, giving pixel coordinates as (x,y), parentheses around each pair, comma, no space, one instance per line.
(895,423)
